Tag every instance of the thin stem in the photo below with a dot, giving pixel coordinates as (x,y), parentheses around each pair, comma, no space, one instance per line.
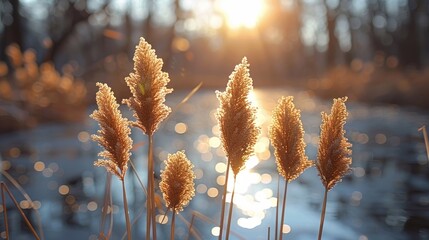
(5,212)
(27,222)
(222,215)
(277,208)
(173,219)
(127,216)
(27,197)
(425,135)
(190,226)
(211,221)
(150,217)
(322,217)
(149,193)
(152,187)
(107,204)
(283,212)
(231,205)
(269,229)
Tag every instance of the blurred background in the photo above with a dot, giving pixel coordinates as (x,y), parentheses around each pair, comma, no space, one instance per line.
(376,52)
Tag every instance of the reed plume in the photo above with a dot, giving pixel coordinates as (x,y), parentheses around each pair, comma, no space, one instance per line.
(148,88)
(113,135)
(177,184)
(236,117)
(334,155)
(177,181)
(287,138)
(114,138)
(333,159)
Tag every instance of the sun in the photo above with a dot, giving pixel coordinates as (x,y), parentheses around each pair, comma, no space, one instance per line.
(242,13)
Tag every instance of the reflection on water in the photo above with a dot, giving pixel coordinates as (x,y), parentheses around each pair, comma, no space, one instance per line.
(386,196)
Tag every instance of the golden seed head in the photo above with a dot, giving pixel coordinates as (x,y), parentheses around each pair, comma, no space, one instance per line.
(114,133)
(287,138)
(177,181)
(334,155)
(237,116)
(148,88)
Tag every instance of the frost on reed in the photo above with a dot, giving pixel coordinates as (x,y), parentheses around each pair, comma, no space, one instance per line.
(333,158)
(287,138)
(239,133)
(148,87)
(237,116)
(177,181)
(113,135)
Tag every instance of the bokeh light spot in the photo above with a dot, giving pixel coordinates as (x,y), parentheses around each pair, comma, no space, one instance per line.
(180,128)
(63,189)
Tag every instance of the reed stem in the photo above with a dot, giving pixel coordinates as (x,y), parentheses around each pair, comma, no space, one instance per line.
(322,217)
(231,205)
(222,215)
(277,209)
(173,219)
(4,187)
(5,213)
(152,187)
(283,212)
(425,135)
(127,216)
(149,191)
(190,226)
(107,204)
(150,203)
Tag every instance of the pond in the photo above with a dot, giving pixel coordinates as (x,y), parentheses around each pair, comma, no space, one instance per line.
(385,196)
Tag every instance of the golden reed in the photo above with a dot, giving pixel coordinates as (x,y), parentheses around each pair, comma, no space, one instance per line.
(287,138)
(334,155)
(239,133)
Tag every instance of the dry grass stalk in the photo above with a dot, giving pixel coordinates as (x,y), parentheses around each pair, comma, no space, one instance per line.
(425,135)
(148,87)
(114,138)
(287,138)
(3,188)
(236,117)
(334,155)
(27,197)
(177,183)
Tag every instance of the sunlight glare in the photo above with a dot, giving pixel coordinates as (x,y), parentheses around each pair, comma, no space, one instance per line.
(242,13)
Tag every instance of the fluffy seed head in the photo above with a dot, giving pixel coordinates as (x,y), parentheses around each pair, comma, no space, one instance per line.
(334,155)
(237,116)
(113,135)
(287,138)
(177,181)
(148,87)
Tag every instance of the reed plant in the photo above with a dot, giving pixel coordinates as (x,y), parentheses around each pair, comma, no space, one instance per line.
(148,88)
(287,138)
(177,184)
(237,122)
(114,138)
(334,154)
